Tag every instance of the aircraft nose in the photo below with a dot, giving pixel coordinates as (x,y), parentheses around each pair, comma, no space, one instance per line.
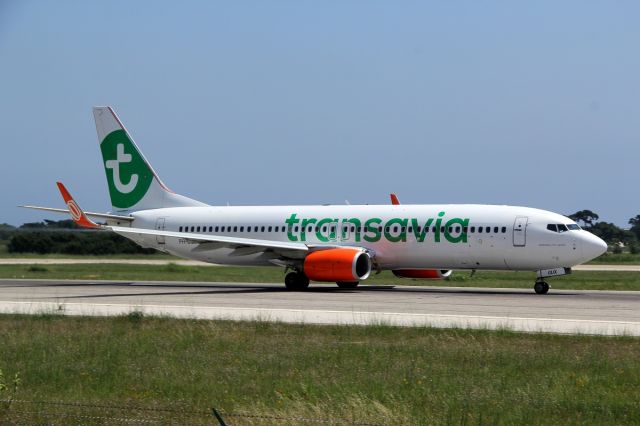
(592,246)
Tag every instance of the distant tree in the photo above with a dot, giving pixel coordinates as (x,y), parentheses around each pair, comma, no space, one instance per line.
(587,217)
(635,226)
(613,234)
(6,230)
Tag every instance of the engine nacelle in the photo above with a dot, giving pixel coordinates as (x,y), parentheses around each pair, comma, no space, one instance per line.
(338,264)
(422,274)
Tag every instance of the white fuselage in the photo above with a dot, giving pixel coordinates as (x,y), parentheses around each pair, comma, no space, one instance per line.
(456,236)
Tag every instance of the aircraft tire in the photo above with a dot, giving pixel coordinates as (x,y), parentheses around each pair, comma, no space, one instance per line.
(296,281)
(348,284)
(541,287)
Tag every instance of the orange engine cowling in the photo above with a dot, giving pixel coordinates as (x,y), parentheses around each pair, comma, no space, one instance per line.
(339,264)
(422,274)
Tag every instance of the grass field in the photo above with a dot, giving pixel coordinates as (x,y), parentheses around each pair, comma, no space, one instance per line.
(375,374)
(583,280)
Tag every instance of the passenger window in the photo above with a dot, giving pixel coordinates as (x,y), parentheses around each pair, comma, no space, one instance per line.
(450,229)
(457,229)
(180,229)
(262,229)
(295,229)
(473,229)
(324,229)
(211,229)
(198,229)
(395,229)
(479,229)
(410,230)
(216,229)
(552,227)
(442,229)
(464,229)
(504,229)
(495,229)
(242,229)
(488,229)
(271,228)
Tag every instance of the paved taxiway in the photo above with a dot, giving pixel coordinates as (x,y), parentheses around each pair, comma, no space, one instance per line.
(560,311)
(79,261)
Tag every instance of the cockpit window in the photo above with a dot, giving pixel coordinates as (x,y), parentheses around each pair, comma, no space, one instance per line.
(559,227)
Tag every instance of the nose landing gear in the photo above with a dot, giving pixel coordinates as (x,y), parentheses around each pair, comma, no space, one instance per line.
(541,287)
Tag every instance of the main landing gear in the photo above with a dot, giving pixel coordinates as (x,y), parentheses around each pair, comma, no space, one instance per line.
(296,281)
(541,287)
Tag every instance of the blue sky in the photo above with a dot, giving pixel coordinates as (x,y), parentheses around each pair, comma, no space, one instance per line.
(300,102)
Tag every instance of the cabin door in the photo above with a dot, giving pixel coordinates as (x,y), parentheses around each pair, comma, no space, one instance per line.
(520,231)
(160,227)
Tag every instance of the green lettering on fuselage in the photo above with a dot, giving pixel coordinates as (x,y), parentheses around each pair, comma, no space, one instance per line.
(394,230)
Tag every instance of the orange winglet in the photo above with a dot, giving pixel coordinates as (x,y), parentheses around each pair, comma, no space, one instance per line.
(394,199)
(76,212)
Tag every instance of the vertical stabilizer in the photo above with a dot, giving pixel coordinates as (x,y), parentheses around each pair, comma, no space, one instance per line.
(133,184)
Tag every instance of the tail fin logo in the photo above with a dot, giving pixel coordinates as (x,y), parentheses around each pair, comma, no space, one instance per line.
(114,165)
(74,210)
(128,175)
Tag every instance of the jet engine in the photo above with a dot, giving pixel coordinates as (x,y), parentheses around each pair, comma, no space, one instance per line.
(338,264)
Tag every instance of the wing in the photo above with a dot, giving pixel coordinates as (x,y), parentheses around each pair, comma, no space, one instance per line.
(205,242)
(214,241)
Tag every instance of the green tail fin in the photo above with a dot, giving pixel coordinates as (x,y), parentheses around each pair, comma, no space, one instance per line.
(133,184)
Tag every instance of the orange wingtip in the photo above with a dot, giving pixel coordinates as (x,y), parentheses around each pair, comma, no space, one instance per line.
(394,199)
(75,211)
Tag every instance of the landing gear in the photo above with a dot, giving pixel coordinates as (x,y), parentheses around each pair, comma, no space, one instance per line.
(296,281)
(541,287)
(348,284)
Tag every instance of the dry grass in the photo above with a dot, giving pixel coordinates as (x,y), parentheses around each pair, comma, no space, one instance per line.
(375,374)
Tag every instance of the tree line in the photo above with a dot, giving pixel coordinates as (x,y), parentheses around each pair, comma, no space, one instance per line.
(65,237)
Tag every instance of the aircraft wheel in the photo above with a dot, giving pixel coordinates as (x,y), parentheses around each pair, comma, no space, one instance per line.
(348,284)
(296,281)
(541,287)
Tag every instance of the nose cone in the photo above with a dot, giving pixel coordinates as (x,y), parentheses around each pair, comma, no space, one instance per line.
(592,246)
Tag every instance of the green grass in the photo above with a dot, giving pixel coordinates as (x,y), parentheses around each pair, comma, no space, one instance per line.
(374,374)
(582,280)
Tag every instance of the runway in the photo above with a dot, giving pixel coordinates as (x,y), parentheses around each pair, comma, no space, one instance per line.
(560,311)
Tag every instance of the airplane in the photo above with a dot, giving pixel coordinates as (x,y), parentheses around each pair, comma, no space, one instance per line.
(343,244)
